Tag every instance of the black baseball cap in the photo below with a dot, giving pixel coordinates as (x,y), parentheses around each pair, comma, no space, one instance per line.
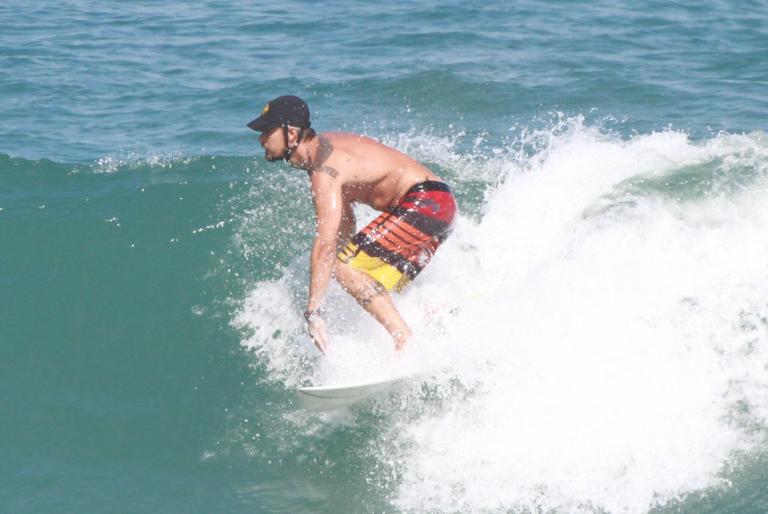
(283,110)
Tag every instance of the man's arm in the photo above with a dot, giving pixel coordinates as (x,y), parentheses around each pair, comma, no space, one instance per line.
(327,197)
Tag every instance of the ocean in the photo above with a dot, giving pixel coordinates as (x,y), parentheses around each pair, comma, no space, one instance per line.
(592,338)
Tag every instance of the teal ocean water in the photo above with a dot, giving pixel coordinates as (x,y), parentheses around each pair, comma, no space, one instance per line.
(593,338)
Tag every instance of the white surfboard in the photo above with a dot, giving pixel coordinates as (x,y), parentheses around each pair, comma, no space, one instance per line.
(331,397)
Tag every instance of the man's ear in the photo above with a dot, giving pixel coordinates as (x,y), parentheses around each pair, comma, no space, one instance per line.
(293,135)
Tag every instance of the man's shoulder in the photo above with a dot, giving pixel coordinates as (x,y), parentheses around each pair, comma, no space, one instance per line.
(348,147)
(346,137)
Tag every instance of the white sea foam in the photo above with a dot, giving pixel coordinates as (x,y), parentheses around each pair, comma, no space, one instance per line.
(598,342)
(129,160)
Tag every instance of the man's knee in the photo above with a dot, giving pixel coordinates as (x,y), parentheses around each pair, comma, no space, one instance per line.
(344,274)
(347,277)
(362,287)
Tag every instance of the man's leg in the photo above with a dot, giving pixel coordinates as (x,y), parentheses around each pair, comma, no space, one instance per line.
(375,299)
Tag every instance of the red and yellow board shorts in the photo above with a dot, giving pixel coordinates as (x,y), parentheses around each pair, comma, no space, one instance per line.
(396,246)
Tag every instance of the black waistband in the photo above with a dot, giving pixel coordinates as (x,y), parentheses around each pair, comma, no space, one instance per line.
(429,185)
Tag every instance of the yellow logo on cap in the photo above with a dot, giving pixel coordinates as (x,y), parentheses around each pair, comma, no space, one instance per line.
(265,110)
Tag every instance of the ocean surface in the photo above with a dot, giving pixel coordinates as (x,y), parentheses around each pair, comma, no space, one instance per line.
(593,338)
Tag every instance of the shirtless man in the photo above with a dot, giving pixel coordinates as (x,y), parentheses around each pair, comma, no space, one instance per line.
(417,213)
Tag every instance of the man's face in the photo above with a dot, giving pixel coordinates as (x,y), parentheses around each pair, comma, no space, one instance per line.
(273,142)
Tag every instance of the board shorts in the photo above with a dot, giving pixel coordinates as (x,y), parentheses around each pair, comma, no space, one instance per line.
(396,246)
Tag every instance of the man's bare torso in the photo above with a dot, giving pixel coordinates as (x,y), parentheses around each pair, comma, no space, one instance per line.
(370,172)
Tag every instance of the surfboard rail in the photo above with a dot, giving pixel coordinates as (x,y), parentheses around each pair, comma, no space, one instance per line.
(335,396)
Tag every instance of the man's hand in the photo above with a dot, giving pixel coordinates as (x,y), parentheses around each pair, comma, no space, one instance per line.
(316,327)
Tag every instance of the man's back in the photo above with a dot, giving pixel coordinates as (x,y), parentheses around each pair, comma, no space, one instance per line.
(370,172)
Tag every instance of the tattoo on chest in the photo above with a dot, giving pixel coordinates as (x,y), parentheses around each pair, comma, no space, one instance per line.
(328,170)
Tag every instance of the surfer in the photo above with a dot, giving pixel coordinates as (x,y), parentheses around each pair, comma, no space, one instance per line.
(417,212)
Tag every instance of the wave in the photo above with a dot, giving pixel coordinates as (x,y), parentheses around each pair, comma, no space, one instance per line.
(593,333)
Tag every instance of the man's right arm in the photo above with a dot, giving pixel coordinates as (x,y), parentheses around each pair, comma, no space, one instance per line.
(326,193)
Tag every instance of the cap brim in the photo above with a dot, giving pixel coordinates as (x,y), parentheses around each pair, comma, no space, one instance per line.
(260,124)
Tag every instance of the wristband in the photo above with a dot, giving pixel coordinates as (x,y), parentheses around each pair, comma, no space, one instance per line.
(308,315)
